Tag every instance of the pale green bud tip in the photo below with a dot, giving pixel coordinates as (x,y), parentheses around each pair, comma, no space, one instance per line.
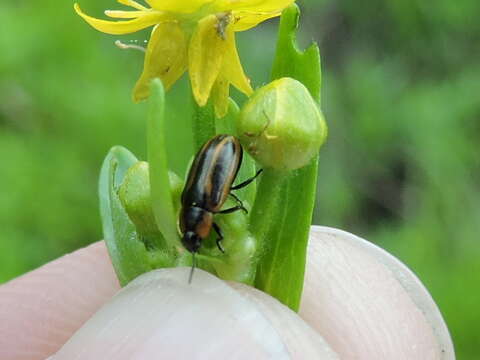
(281,126)
(134,194)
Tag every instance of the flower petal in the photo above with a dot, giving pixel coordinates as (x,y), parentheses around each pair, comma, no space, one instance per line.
(178,6)
(133,4)
(255,5)
(232,67)
(166,58)
(247,20)
(126,14)
(122,27)
(206,52)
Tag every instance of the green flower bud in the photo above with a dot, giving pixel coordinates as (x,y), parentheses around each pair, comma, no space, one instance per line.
(240,248)
(134,194)
(281,126)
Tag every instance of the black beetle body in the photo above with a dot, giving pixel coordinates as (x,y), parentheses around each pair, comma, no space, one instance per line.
(209,183)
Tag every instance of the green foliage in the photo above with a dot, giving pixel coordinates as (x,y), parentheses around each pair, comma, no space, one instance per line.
(139,210)
(284,205)
(290,61)
(401,165)
(161,193)
(120,233)
(140,204)
(66,99)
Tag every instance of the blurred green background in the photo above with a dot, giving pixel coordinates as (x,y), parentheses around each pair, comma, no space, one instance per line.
(401,168)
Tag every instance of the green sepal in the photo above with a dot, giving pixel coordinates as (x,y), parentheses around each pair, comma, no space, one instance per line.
(135,196)
(127,251)
(282,213)
(161,191)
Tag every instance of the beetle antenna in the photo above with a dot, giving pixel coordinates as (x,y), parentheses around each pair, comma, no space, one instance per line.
(192,269)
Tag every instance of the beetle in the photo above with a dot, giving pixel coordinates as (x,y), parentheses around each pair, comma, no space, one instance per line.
(209,183)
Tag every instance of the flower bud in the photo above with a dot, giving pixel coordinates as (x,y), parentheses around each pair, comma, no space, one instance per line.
(281,125)
(134,194)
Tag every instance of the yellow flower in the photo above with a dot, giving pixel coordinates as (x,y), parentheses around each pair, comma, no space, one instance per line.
(193,35)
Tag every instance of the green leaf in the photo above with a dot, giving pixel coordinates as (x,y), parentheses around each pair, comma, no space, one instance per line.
(127,251)
(161,192)
(290,61)
(282,213)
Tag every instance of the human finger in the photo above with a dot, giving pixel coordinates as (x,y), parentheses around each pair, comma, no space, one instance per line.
(161,315)
(40,310)
(367,304)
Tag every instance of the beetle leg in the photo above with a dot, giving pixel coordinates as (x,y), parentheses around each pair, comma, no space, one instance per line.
(230,210)
(220,237)
(239,202)
(246,182)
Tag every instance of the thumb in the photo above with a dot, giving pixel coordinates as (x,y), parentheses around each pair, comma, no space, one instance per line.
(160,315)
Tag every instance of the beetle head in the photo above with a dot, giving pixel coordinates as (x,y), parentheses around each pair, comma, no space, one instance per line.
(191,241)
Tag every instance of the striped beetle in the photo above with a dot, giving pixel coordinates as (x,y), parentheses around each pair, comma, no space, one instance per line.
(208,185)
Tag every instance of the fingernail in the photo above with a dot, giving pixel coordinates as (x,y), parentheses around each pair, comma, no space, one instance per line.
(367,304)
(161,315)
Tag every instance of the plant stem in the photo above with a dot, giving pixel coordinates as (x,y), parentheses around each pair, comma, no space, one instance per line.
(161,192)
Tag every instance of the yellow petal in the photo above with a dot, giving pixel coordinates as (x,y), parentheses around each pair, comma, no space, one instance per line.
(126,14)
(178,6)
(133,4)
(205,57)
(166,58)
(247,20)
(122,27)
(220,95)
(255,5)
(232,67)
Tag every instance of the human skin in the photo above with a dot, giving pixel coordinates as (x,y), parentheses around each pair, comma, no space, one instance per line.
(358,303)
